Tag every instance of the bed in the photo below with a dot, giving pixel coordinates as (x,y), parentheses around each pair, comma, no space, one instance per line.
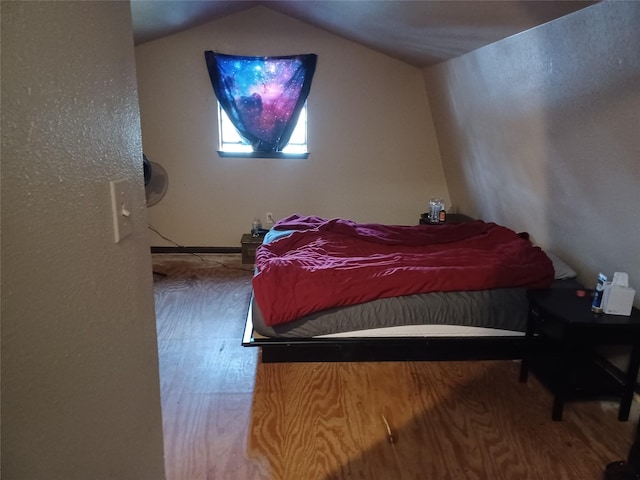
(336,290)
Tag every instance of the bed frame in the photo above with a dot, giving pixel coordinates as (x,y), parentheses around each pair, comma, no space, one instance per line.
(377,349)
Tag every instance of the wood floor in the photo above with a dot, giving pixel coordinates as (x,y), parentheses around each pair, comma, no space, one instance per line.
(227,416)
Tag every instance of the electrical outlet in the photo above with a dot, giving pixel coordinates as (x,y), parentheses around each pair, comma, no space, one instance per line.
(121,207)
(269,217)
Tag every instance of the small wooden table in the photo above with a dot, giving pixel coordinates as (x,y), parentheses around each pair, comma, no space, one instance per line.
(249,245)
(565,321)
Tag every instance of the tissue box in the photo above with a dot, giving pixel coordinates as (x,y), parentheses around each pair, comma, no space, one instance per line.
(617,300)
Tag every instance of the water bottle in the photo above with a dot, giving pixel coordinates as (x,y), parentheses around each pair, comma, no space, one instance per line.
(436,206)
(256,226)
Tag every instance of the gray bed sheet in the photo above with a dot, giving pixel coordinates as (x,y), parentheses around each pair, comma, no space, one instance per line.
(504,309)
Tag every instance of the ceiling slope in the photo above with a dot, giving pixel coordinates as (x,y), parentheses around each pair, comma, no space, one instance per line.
(420,33)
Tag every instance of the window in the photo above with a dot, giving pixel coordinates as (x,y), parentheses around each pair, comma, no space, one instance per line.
(232,143)
(264,98)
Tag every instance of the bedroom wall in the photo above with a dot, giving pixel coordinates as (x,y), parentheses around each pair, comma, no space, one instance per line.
(374,156)
(540,132)
(80,385)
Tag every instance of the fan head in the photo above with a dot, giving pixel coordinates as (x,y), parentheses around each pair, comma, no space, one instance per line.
(146,167)
(156,182)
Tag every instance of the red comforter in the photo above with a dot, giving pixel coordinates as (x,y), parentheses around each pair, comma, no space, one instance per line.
(330,263)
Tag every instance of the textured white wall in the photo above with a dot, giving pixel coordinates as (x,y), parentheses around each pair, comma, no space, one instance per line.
(80,386)
(540,132)
(374,155)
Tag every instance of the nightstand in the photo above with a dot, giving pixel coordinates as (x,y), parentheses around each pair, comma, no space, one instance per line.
(249,245)
(562,333)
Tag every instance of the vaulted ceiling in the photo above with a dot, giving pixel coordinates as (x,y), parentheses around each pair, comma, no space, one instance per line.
(420,33)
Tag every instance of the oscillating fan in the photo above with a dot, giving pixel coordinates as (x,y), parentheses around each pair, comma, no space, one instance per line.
(156,181)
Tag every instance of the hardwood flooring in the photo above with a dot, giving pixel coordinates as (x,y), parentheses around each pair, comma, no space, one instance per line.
(227,416)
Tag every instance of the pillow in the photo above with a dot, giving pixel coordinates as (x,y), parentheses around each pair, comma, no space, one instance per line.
(562,270)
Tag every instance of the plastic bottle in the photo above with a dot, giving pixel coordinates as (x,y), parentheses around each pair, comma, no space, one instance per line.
(256,226)
(596,305)
(434,210)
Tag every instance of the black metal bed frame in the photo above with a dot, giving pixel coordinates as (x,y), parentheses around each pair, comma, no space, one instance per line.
(382,349)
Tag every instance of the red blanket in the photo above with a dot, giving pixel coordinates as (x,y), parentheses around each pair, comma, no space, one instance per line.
(330,263)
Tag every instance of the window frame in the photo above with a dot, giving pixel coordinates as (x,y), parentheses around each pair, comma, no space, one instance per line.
(299,150)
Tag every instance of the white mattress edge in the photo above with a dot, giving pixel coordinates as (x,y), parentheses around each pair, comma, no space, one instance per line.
(426,331)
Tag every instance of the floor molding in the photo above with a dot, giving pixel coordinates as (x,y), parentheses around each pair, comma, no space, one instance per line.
(196,250)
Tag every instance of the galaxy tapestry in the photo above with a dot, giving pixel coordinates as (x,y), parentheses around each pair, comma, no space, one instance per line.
(262,96)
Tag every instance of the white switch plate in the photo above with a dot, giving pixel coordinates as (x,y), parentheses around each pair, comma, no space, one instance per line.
(121,207)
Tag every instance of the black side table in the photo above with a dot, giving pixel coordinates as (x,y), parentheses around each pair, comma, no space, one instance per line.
(565,321)
(450,218)
(249,246)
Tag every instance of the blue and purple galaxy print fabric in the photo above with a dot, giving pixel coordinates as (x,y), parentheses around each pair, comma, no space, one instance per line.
(262,96)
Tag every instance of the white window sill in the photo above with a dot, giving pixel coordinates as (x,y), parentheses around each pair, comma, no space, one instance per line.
(262,155)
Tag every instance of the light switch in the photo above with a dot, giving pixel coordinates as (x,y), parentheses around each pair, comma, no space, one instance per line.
(121,206)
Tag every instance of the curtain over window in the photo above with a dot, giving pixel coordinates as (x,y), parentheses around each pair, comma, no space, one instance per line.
(262,96)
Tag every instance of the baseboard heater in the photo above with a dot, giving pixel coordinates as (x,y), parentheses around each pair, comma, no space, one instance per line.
(196,250)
